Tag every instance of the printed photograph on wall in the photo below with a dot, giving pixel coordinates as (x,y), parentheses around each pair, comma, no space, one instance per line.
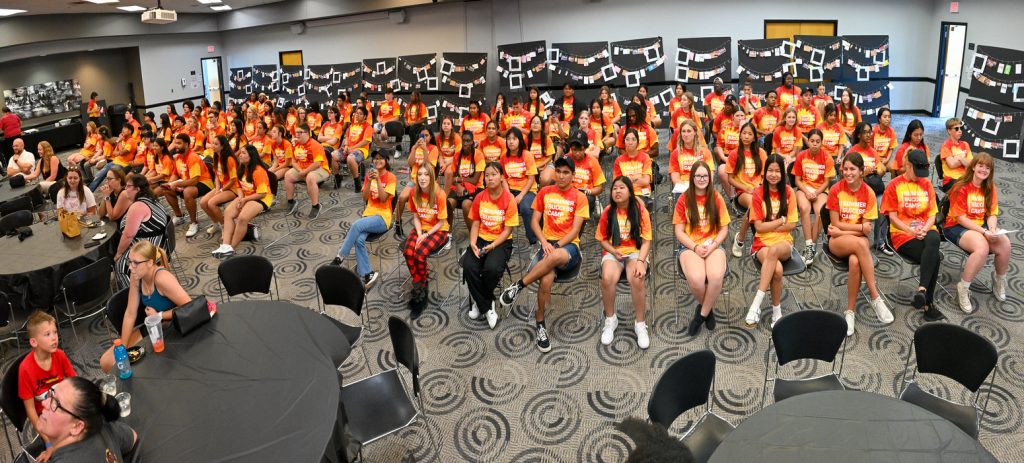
(19,101)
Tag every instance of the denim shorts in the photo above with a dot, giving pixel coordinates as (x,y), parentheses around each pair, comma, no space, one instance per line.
(954,233)
(574,256)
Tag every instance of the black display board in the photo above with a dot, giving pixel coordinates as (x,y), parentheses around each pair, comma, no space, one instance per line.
(240,82)
(638,61)
(465,74)
(379,73)
(818,58)
(319,84)
(580,63)
(701,59)
(865,57)
(417,72)
(293,84)
(521,65)
(264,79)
(764,60)
(997,75)
(993,128)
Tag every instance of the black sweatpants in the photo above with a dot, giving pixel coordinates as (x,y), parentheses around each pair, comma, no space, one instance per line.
(926,253)
(483,274)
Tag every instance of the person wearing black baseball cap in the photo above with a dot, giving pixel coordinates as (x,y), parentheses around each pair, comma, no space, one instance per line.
(588,176)
(909,200)
(563,209)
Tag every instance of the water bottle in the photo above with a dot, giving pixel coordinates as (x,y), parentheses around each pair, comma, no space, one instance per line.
(124,367)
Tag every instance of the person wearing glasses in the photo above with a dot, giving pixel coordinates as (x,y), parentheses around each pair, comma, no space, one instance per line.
(81,423)
(955,153)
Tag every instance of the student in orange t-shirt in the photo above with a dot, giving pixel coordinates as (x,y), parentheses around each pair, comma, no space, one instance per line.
(254,198)
(603,132)
(124,152)
(653,117)
(517,117)
(379,188)
(611,112)
(688,150)
(588,176)
(569,104)
(313,119)
(807,116)
(701,222)
(851,208)
(493,216)
(749,102)
(190,180)
(849,113)
(469,167)
(714,102)
(563,209)
(421,153)
(498,110)
(429,209)
(448,143)
(635,165)
(873,170)
(539,144)
(415,116)
(787,140)
(909,201)
(648,138)
(624,233)
(533,104)
(774,215)
(159,163)
(821,98)
(686,111)
(767,117)
(492,146)
(358,137)
(789,94)
(475,122)
(226,175)
(727,138)
(955,154)
(744,169)
(593,136)
(677,96)
(279,150)
(520,175)
(813,170)
(309,165)
(330,133)
(833,135)
(913,139)
(972,223)
(883,137)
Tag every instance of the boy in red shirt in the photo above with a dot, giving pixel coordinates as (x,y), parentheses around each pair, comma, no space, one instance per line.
(45,366)
(563,210)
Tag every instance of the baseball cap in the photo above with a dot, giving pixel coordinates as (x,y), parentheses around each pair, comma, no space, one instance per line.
(567,162)
(919,161)
(577,137)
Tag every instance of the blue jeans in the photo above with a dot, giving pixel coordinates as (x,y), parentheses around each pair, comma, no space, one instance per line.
(357,237)
(102,174)
(526,214)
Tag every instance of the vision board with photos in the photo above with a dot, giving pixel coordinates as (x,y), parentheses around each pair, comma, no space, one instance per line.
(702,59)
(993,116)
(44,99)
(522,65)
(636,62)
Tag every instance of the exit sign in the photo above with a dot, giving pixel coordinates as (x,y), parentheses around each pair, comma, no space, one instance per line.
(209,49)
(954,7)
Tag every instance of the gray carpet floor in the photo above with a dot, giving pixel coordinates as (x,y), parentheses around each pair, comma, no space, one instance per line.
(490,396)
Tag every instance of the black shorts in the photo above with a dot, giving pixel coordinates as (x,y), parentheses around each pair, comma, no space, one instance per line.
(203,190)
(466,197)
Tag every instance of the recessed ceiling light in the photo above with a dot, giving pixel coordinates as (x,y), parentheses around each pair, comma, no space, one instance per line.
(207,2)
(7,12)
(131,8)
(102,1)
(221,7)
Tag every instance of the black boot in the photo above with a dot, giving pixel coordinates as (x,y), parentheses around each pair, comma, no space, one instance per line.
(419,301)
(709,322)
(695,323)
(337,181)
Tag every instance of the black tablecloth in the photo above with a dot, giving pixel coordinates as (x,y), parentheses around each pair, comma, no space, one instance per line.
(31,270)
(257,383)
(7,193)
(847,426)
(59,136)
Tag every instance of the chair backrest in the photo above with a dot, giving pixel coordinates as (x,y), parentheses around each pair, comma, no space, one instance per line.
(340,286)
(954,352)
(684,385)
(52,192)
(88,283)
(117,306)
(11,404)
(14,220)
(6,310)
(170,242)
(940,218)
(23,203)
(938,168)
(272,178)
(808,334)
(825,216)
(246,274)
(404,344)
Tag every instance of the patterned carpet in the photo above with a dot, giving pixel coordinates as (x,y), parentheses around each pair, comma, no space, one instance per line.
(490,396)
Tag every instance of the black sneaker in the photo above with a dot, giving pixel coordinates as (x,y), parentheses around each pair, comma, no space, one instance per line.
(884,248)
(314,211)
(808,254)
(369,279)
(543,344)
(709,322)
(933,315)
(292,206)
(337,181)
(357,186)
(399,233)
(695,324)
(508,296)
(919,300)
(337,261)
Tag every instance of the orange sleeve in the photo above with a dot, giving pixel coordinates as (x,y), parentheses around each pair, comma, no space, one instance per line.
(602,226)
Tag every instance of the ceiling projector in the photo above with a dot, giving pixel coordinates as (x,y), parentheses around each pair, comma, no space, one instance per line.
(159,16)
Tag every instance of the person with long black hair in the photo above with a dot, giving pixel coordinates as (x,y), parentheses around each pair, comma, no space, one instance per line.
(913,139)
(813,170)
(492,218)
(745,175)
(872,170)
(379,188)
(254,198)
(226,175)
(520,175)
(701,221)
(774,215)
(469,167)
(533,104)
(624,232)
(647,138)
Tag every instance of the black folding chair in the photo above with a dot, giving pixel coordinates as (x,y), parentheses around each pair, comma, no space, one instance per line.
(839,264)
(342,287)
(14,220)
(904,261)
(807,334)
(9,329)
(379,405)
(52,192)
(171,244)
(246,274)
(86,286)
(685,385)
(23,203)
(12,406)
(117,307)
(961,355)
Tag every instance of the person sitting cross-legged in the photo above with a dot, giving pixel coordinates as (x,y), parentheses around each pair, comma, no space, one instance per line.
(309,165)
(563,209)
(380,188)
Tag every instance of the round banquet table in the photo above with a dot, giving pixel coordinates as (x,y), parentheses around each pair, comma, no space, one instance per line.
(31,270)
(256,383)
(847,426)
(7,193)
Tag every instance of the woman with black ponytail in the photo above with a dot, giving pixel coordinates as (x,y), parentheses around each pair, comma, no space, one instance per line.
(626,240)
(80,422)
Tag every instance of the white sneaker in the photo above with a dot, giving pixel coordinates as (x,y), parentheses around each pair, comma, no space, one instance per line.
(737,246)
(492,317)
(180,220)
(212,228)
(220,250)
(850,320)
(642,340)
(447,245)
(753,317)
(474,312)
(963,293)
(223,251)
(776,315)
(193,230)
(999,287)
(882,310)
(608,333)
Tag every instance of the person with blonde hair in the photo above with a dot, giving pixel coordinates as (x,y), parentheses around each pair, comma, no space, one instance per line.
(49,170)
(151,285)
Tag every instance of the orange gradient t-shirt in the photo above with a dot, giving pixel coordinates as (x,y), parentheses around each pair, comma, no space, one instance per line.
(852,206)
(813,170)
(430,214)
(750,175)
(637,165)
(560,209)
(494,215)
(757,212)
(377,204)
(969,200)
(626,244)
(912,201)
(699,228)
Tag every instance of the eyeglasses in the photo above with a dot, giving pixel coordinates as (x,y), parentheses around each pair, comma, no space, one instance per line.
(701,177)
(55,404)
(957,128)
(133,263)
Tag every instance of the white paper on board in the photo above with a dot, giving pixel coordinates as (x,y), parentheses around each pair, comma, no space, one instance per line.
(817,57)
(432,83)
(608,72)
(382,67)
(1011,150)
(632,79)
(465,90)
(991,125)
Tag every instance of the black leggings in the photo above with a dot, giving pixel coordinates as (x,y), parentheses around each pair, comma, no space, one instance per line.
(483,274)
(926,253)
